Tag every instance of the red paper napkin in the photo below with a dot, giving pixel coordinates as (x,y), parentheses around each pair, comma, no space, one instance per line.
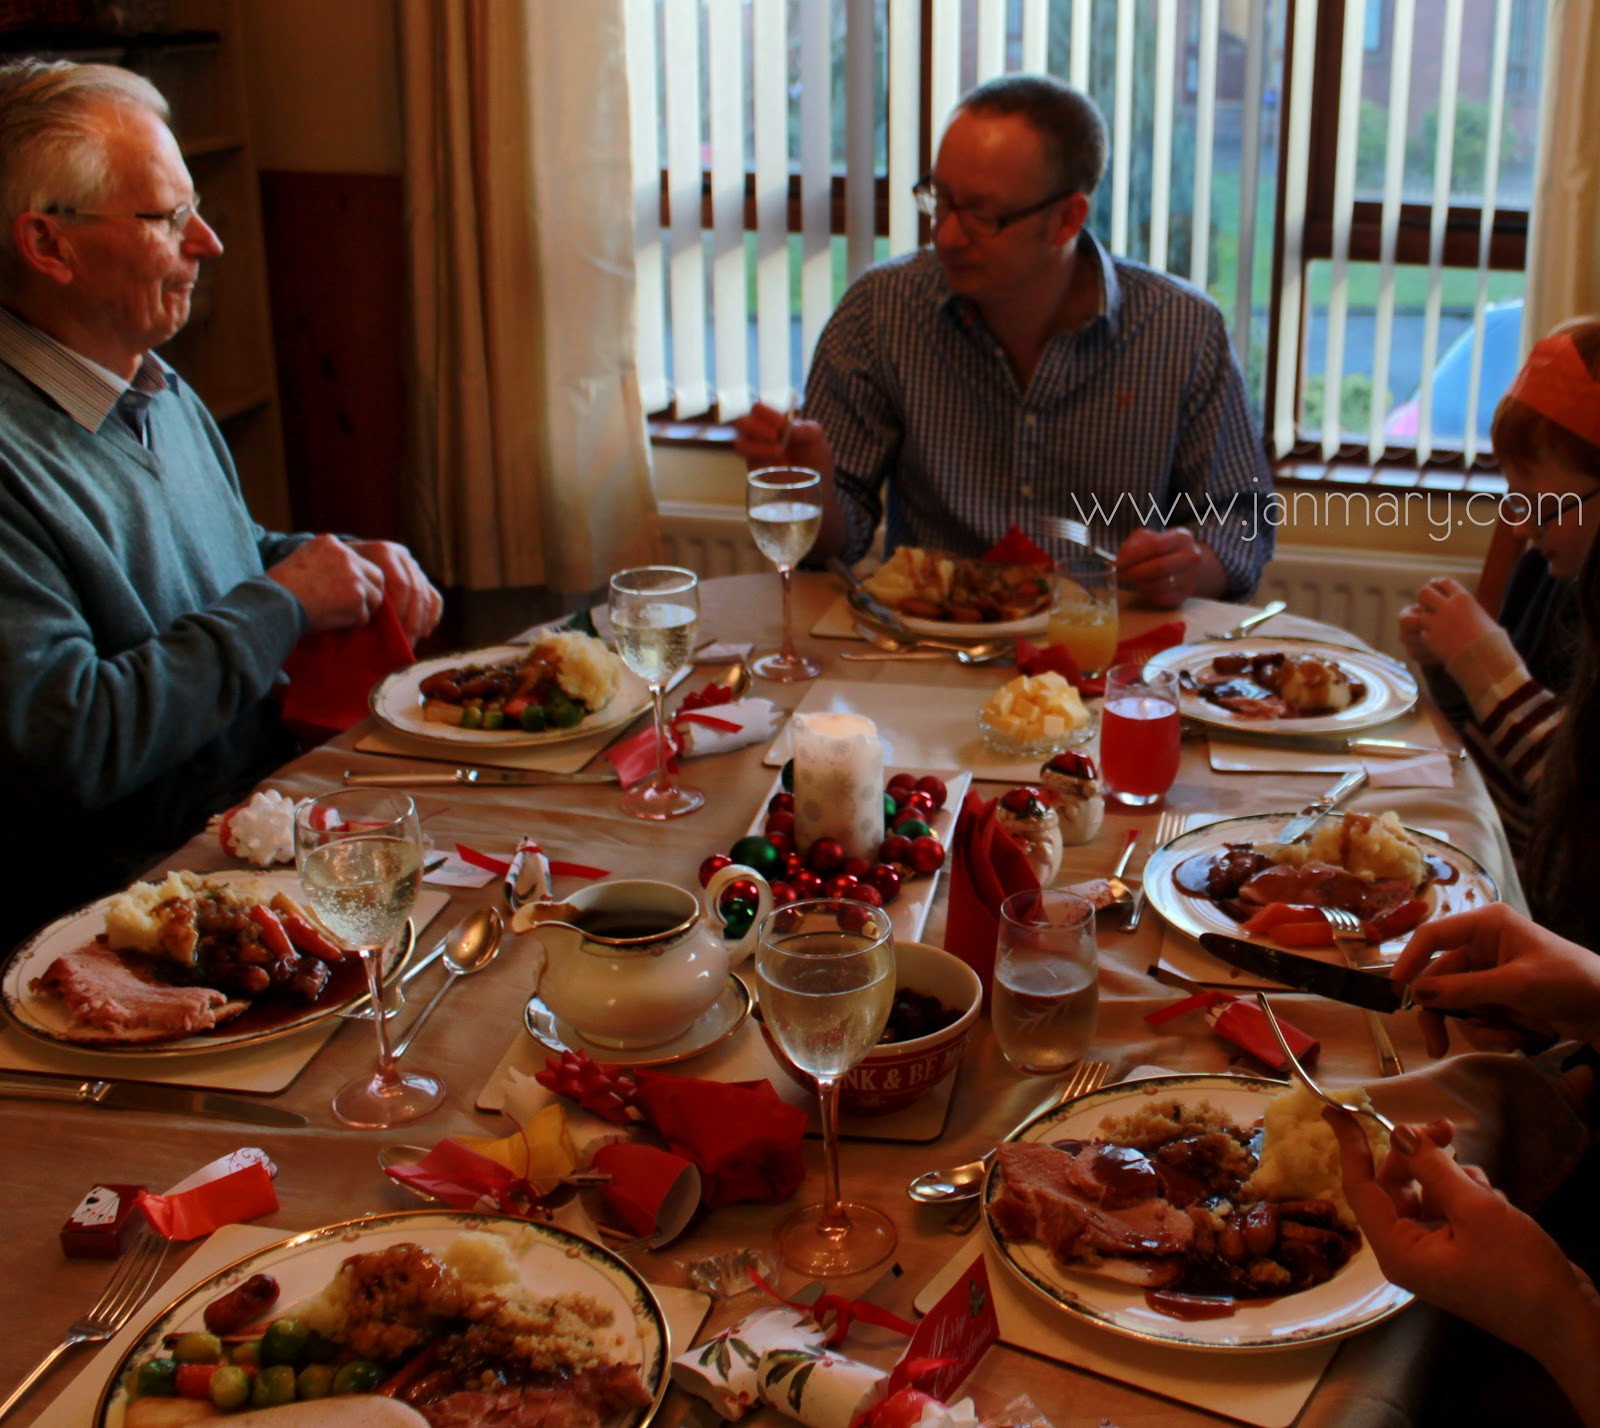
(747,1142)
(1014,548)
(986,868)
(331,672)
(1136,649)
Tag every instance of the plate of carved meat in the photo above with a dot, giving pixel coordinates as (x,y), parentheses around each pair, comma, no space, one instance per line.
(1159,1245)
(469,1318)
(1286,686)
(66,985)
(1217,877)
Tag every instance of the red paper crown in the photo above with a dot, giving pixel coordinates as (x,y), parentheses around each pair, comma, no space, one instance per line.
(1555,382)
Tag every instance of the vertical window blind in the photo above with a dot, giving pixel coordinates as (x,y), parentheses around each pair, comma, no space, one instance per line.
(776,143)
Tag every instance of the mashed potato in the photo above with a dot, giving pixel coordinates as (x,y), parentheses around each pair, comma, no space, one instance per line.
(1300,1157)
(1311,684)
(1372,846)
(587,670)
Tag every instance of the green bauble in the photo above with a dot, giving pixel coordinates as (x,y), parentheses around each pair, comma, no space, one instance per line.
(756,852)
(737,915)
(786,775)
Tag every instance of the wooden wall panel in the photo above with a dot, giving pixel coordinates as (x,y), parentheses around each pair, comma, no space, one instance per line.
(336,269)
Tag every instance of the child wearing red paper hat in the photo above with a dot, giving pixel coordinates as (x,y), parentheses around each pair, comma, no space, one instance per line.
(1502,683)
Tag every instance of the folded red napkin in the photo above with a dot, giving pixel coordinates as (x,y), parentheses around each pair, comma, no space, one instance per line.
(986,867)
(1014,548)
(747,1142)
(1136,649)
(1244,1025)
(331,672)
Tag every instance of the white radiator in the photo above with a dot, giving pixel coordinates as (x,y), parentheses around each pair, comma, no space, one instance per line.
(1360,591)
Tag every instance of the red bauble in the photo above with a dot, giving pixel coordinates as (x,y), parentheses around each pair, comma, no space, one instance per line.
(853,916)
(901,797)
(712,866)
(907,781)
(927,855)
(807,883)
(792,863)
(886,880)
(741,889)
(826,855)
(935,789)
(780,820)
(782,839)
(896,848)
(856,867)
(868,894)
(784,893)
(841,885)
(781,802)
(919,804)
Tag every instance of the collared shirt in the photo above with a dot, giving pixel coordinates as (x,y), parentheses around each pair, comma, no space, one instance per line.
(80,386)
(1137,418)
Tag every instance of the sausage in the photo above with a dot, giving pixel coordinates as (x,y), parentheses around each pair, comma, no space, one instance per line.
(230,1312)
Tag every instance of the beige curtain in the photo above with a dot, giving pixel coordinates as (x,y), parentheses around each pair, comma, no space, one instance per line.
(1564,245)
(531,462)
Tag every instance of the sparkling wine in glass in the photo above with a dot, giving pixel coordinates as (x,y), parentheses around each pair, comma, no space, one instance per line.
(826,976)
(784,507)
(655,610)
(359,852)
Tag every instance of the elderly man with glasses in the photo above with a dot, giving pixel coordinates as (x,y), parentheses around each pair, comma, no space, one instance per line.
(144,616)
(1015,373)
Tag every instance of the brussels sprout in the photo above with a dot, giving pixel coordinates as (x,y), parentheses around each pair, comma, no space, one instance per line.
(273,1386)
(230,1388)
(357,1376)
(559,710)
(314,1381)
(198,1348)
(284,1342)
(157,1378)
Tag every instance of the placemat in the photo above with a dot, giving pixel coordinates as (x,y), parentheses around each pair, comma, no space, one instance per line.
(263,1069)
(548,758)
(1267,1388)
(744,1057)
(835,623)
(74,1406)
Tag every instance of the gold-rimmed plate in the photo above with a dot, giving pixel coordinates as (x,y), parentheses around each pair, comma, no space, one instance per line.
(713,1026)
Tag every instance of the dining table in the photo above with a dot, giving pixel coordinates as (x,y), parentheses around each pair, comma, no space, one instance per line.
(327,1172)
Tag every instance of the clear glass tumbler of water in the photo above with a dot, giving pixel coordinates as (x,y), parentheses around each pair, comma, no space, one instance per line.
(1046,998)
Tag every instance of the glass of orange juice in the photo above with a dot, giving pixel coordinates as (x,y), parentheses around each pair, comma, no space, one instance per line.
(1083,611)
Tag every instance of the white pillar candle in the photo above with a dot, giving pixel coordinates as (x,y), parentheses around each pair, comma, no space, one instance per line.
(838,782)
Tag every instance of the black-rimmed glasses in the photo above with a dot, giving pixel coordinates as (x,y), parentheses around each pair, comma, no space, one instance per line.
(177,219)
(1519,510)
(934,203)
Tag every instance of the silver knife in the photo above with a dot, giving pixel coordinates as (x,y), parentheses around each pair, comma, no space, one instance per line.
(863,600)
(1331,743)
(136,1096)
(1319,808)
(472,778)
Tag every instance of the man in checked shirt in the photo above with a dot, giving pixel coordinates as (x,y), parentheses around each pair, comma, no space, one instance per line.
(1014,371)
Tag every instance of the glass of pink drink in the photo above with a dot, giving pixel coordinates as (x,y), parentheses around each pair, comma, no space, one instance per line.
(1139,733)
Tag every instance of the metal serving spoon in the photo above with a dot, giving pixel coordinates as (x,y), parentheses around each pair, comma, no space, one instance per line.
(473,944)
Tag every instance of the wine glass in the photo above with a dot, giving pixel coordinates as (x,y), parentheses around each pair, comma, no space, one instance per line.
(826,974)
(359,852)
(784,507)
(654,612)
(1046,997)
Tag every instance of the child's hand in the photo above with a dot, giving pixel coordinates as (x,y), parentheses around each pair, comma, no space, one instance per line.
(1444,621)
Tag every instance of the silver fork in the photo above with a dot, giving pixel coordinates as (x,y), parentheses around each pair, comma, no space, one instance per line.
(1305,1076)
(1348,935)
(128,1289)
(1084,1077)
(1076,532)
(1168,826)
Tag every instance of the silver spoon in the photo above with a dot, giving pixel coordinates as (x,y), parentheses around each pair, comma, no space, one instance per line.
(734,676)
(1261,616)
(898,644)
(473,944)
(888,647)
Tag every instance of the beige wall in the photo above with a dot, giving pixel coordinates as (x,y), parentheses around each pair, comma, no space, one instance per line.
(323,85)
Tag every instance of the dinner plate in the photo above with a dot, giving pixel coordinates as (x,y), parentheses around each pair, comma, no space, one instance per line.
(397,702)
(961,630)
(1472,886)
(714,1025)
(550,1260)
(47,1019)
(1356,1298)
(1389,688)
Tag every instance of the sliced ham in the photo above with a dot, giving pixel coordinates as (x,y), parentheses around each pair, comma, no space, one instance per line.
(1144,1241)
(112,1000)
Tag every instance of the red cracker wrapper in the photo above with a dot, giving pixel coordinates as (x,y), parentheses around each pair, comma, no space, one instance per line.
(331,672)
(241,1195)
(986,867)
(647,1186)
(467,1181)
(1242,1024)
(951,1338)
(1136,649)
(747,1142)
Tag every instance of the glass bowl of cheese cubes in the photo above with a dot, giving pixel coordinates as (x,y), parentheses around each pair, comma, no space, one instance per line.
(1034,716)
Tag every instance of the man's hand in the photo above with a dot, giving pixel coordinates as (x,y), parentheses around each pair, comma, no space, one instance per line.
(767,437)
(1522,984)
(1439,1230)
(416,603)
(335,585)
(1443,622)
(1164,568)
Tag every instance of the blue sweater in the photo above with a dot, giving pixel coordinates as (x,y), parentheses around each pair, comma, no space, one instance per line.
(139,639)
